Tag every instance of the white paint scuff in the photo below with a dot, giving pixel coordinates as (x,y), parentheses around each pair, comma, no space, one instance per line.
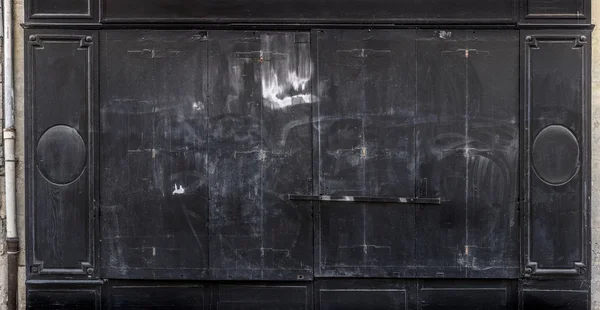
(285,72)
(445,34)
(198,106)
(274,92)
(179,190)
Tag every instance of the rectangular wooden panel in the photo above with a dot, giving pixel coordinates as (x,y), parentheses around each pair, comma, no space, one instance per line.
(555,299)
(245,11)
(63,296)
(364,140)
(467,295)
(259,152)
(467,153)
(547,10)
(61,152)
(365,294)
(262,297)
(493,150)
(61,10)
(154,109)
(157,296)
(556,152)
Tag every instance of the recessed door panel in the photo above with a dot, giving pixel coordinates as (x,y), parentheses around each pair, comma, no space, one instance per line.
(467,154)
(262,296)
(259,153)
(153,155)
(61,143)
(344,294)
(431,117)
(365,139)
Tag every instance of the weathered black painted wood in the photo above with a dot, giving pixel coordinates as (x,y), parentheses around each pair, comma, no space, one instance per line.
(441,139)
(559,293)
(525,12)
(365,294)
(329,294)
(331,11)
(467,144)
(556,11)
(154,193)
(365,136)
(467,294)
(156,295)
(466,132)
(64,295)
(553,299)
(52,11)
(208,151)
(556,144)
(262,296)
(259,140)
(493,151)
(61,153)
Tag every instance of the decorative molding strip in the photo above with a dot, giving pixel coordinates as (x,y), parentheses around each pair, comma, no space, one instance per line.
(37,43)
(577,15)
(40,15)
(531,266)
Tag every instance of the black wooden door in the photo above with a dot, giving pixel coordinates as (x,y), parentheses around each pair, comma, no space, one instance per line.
(298,156)
(365,139)
(467,143)
(211,150)
(154,176)
(418,114)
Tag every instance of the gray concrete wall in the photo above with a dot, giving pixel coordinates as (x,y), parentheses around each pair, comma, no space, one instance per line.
(19,103)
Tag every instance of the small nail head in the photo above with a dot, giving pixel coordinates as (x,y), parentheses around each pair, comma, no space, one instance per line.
(32,37)
(89,39)
(528,38)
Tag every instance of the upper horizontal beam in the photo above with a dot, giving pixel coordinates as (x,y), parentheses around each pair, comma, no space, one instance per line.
(310,12)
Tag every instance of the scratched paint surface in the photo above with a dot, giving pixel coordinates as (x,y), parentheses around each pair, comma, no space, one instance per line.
(260,151)
(391,154)
(467,151)
(204,136)
(154,150)
(329,11)
(366,148)
(418,114)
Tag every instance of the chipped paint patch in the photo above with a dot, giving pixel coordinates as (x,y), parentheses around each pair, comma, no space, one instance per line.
(445,34)
(279,95)
(198,106)
(179,190)
(285,72)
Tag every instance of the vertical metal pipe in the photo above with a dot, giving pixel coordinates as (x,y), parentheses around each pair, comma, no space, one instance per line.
(13,262)
(12,237)
(9,116)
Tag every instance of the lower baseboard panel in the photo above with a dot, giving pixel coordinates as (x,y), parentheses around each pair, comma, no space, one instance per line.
(322,294)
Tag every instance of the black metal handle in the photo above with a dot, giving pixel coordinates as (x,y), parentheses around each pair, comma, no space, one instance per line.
(402,200)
